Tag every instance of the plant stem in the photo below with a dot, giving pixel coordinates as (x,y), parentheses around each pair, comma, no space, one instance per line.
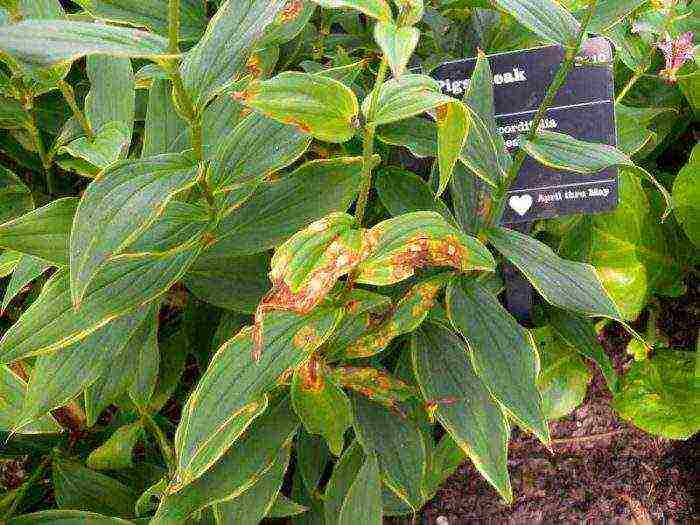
(26,486)
(174,26)
(166,449)
(41,151)
(632,81)
(562,73)
(69,95)
(368,145)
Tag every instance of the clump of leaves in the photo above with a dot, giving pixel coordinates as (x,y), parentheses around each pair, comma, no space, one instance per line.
(220,259)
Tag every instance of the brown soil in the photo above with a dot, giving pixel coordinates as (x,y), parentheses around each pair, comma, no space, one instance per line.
(603,470)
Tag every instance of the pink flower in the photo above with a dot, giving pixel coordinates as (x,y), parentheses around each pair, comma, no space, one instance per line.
(676,52)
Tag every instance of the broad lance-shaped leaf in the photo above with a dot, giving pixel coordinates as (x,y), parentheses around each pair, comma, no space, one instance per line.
(397,44)
(112,95)
(307,266)
(408,315)
(262,446)
(149,13)
(118,206)
(231,394)
(222,53)
(363,502)
(15,197)
(288,23)
(28,269)
(564,376)
(116,453)
(66,517)
(377,385)
(256,148)
(686,197)
(43,43)
(378,9)
(547,18)
(502,353)
(561,151)
(281,208)
(399,246)
(417,134)
(580,334)
(569,285)
(51,322)
(661,395)
(463,404)
(320,106)
(13,390)
(453,123)
(42,233)
(108,145)
(405,97)
(252,506)
(399,446)
(321,405)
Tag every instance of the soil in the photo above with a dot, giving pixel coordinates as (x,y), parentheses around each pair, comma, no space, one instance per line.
(601,470)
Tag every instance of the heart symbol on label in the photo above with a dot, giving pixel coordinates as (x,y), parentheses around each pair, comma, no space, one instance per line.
(520,203)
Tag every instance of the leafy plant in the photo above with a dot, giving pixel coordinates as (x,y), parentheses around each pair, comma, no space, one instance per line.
(221,260)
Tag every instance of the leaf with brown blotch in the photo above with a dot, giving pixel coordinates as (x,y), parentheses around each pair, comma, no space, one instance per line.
(377,385)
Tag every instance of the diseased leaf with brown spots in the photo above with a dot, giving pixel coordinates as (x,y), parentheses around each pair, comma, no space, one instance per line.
(399,246)
(409,313)
(321,405)
(320,106)
(379,386)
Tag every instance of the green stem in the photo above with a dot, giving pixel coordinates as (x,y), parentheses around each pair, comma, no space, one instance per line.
(69,95)
(368,145)
(41,151)
(559,79)
(174,26)
(26,486)
(166,449)
(632,81)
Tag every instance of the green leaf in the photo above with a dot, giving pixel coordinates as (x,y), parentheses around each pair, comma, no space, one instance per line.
(222,53)
(344,473)
(313,456)
(473,419)
(8,262)
(108,145)
(288,23)
(560,151)
(231,393)
(116,453)
(417,134)
(285,507)
(405,317)
(363,502)
(397,44)
(281,208)
(251,507)
(132,360)
(79,488)
(415,240)
(633,124)
(609,13)
(256,148)
(112,96)
(152,14)
(411,10)
(399,446)
(237,470)
(547,18)
(322,406)
(52,323)
(580,334)
(236,283)
(12,114)
(405,97)
(15,197)
(502,353)
(44,43)
(318,105)
(118,206)
(686,198)
(564,378)
(378,9)
(403,191)
(59,377)
(566,284)
(453,124)
(66,517)
(165,131)
(471,200)
(42,233)
(661,395)
(12,394)
(446,458)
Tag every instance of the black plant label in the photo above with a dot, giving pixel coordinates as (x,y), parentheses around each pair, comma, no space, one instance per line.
(583,108)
